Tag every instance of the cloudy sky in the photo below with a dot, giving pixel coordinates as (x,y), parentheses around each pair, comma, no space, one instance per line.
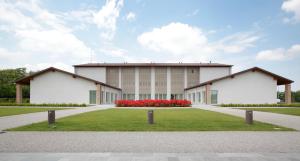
(38,34)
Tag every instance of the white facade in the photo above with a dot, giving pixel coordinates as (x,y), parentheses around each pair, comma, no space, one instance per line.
(246,88)
(96,73)
(252,86)
(57,87)
(209,73)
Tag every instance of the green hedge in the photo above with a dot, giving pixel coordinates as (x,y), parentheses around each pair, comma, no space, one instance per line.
(261,105)
(44,104)
(13,100)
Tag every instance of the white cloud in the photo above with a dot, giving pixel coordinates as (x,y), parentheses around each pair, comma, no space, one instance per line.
(130,16)
(279,54)
(106,18)
(41,66)
(190,43)
(237,43)
(194,13)
(291,6)
(40,34)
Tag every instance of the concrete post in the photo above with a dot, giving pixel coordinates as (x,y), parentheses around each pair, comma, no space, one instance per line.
(288,94)
(19,93)
(98,94)
(207,94)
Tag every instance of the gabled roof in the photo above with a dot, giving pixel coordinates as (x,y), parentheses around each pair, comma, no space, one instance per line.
(152,64)
(26,80)
(280,80)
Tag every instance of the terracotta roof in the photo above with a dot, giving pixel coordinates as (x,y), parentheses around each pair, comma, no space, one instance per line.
(280,80)
(26,80)
(151,64)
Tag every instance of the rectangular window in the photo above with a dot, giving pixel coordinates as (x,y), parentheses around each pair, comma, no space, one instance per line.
(156,96)
(112,98)
(92,96)
(199,97)
(194,97)
(124,97)
(164,96)
(203,97)
(214,97)
(189,97)
(160,96)
(107,97)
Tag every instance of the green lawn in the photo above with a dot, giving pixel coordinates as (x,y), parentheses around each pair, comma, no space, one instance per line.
(288,111)
(165,120)
(8,111)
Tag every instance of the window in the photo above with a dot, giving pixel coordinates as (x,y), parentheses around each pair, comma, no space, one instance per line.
(92,97)
(156,96)
(214,97)
(189,96)
(112,98)
(204,97)
(107,97)
(194,97)
(164,96)
(199,97)
(124,97)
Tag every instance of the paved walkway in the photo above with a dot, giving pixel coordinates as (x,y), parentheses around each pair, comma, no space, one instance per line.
(25,119)
(268,117)
(151,142)
(150,157)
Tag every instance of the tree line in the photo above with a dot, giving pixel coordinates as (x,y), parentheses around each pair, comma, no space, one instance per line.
(7,82)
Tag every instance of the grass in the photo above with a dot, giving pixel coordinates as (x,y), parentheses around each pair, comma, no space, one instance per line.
(8,111)
(165,120)
(289,111)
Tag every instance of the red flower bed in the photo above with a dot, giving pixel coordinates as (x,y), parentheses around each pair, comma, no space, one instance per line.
(153,103)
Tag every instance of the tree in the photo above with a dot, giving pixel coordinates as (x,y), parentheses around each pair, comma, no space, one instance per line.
(7,82)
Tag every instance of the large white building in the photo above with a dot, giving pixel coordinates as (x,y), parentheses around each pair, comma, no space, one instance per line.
(201,83)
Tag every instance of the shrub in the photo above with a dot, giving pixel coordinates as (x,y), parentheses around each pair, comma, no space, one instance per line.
(153,103)
(260,105)
(45,104)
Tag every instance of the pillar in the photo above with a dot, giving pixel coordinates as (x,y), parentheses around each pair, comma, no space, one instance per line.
(98,95)
(288,94)
(152,83)
(207,94)
(19,93)
(137,84)
(168,83)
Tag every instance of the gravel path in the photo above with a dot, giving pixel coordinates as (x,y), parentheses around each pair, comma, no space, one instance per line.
(8,122)
(150,156)
(151,142)
(268,117)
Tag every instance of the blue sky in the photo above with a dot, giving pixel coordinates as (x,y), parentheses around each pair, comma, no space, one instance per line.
(38,34)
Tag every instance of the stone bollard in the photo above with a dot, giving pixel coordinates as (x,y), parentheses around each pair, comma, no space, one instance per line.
(249,117)
(51,117)
(150,117)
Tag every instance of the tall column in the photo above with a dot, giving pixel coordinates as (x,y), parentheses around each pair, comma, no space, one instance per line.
(152,83)
(185,77)
(98,95)
(288,94)
(120,78)
(19,93)
(207,94)
(168,83)
(199,75)
(137,84)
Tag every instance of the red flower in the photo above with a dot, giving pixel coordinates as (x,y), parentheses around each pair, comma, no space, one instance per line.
(153,103)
